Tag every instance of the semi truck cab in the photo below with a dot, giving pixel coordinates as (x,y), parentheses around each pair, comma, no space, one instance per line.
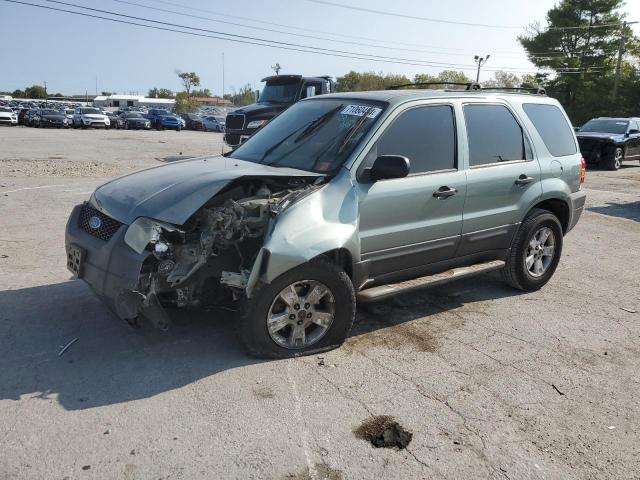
(278,94)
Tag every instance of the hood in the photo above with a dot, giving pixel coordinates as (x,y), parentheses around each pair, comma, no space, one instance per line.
(258,109)
(54,117)
(95,116)
(7,114)
(175,191)
(600,135)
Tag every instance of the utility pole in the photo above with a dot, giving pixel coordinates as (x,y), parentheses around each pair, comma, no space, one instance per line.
(46,99)
(223,78)
(622,49)
(480,61)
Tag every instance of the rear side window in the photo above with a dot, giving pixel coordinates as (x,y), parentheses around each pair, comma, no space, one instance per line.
(425,135)
(552,126)
(494,135)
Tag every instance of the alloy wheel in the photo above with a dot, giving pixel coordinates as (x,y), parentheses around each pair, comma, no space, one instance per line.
(540,252)
(301,314)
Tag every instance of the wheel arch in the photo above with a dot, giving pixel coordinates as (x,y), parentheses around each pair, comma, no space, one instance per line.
(558,207)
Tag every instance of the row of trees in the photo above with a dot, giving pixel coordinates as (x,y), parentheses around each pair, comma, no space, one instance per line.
(34,91)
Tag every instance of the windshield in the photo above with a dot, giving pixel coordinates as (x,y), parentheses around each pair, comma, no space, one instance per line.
(3,109)
(86,111)
(49,112)
(284,93)
(605,126)
(317,135)
(133,115)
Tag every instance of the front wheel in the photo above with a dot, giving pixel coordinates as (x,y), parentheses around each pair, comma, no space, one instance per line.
(308,309)
(615,162)
(535,252)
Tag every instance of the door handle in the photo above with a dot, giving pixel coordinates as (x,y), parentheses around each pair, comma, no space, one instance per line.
(445,192)
(524,180)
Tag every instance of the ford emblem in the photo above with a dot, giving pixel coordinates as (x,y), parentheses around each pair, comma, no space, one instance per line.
(95,222)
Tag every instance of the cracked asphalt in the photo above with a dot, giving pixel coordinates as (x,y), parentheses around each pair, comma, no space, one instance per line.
(491,382)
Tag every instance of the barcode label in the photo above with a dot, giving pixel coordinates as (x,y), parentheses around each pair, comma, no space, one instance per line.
(360,110)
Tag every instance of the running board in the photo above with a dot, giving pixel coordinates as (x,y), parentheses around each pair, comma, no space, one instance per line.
(383,292)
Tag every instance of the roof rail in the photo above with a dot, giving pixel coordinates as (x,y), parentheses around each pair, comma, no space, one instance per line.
(534,90)
(472,86)
(468,85)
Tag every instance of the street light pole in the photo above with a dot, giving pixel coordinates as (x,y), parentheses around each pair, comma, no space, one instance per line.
(480,61)
(46,100)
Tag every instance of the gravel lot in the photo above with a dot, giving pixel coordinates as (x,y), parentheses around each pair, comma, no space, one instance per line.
(491,382)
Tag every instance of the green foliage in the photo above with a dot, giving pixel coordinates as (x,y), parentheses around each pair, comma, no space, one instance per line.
(160,93)
(184,104)
(35,91)
(358,82)
(106,94)
(205,92)
(582,60)
(189,80)
(245,96)
(18,94)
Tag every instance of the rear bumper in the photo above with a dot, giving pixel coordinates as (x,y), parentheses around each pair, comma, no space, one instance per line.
(576,206)
(112,269)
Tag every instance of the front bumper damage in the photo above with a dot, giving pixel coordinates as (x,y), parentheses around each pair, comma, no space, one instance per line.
(111,268)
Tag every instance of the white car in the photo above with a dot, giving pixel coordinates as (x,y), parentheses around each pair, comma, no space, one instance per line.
(213,124)
(87,117)
(8,116)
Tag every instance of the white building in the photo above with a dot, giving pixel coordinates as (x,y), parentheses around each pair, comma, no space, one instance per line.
(123,101)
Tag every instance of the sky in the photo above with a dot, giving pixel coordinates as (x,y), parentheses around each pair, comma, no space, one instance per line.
(73,53)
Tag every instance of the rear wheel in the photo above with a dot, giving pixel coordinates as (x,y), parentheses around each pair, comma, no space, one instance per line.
(535,252)
(615,162)
(308,309)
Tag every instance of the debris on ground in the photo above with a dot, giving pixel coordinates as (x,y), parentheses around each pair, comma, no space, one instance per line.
(382,431)
(66,347)
(557,389)
(630,310)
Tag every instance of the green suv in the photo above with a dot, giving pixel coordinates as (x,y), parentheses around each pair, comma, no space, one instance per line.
(343,198)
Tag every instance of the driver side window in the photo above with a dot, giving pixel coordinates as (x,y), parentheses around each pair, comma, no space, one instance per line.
(425,135)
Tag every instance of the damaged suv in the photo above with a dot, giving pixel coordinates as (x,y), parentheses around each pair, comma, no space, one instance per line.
(341,198)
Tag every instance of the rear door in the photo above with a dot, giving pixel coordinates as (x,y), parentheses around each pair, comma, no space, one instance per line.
(633,142)
(404,223)
(503,178)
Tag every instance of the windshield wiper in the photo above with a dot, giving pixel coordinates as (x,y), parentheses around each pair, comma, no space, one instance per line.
(352,131)
(316,124)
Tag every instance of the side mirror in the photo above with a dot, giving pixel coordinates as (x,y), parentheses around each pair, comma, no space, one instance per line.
(311,92)
(634,131)
(388,167)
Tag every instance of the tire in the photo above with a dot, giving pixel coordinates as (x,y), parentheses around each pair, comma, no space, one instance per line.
(254,312)
(517,272)
(615,162)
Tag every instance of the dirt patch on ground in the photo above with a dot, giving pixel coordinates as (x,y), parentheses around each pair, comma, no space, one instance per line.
(63,168)
(263,393)
(383,431)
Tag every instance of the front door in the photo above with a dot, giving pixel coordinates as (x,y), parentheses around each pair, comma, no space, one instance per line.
(503,179)
(410,222)
(633,142)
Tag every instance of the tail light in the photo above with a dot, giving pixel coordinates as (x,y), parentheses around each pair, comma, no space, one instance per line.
(583,172)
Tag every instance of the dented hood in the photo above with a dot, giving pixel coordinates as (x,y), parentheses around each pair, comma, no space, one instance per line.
(175,191)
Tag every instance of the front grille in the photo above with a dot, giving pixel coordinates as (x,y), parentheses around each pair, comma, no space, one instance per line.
(235,122)
(108,226)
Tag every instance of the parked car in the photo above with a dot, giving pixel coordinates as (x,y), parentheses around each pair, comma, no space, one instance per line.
(192,122)
(28,118)
(610,141)
(341,198)
(47,118)
(8,117)
(278,94)
(21,115)
(88,117)
(68,112)
(135,121)
(213,124)
(154,114)
(114,120)
(169,121)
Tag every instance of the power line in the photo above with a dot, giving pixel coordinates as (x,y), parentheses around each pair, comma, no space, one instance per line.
(449,22)
(257,39)
(323,32)
(249,40)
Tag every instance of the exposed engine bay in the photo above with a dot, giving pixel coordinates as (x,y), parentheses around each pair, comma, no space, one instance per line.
(208,260)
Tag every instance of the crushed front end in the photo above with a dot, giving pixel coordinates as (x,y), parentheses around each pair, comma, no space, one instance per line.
(139,269)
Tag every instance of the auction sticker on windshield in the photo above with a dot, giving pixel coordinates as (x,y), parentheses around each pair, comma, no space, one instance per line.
(360,110)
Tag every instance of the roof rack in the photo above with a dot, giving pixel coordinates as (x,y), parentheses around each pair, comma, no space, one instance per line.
(472,86)
(468,85)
